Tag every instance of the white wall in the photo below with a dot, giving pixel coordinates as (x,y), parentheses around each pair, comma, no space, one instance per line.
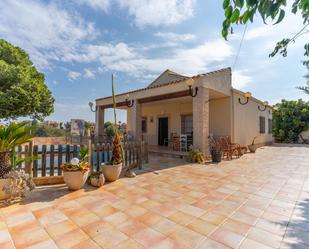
(172,110)
(246,121)
(220,116)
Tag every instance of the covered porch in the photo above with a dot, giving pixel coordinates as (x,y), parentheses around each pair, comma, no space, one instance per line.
(171,123)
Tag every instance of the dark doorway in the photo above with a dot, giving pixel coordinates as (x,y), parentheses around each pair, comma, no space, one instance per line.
(163,131)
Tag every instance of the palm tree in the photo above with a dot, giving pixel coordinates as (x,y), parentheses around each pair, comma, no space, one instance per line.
(305,89)
(11,136)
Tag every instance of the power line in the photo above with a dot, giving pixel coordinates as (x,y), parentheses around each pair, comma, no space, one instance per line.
(240,45)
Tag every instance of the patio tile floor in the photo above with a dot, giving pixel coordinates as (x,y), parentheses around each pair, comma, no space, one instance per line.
(260,201)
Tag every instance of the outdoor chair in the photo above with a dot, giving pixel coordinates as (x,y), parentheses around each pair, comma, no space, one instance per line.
(176,142)
(183,142)
(228,149)
(169,141)
(241,149)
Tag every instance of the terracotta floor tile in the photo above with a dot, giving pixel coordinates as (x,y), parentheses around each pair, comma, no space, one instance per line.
(19,218)
(131,226)
(166,226)
(167,244)
(22,239)
(105,211)
(50,244)
(265,237)
(60,228)
(201,226)
(244,218)
(7,245)
(150,218)
(110,238)
(181,218)
(252,244)
(97,227)
(235,226)
(273,227)
(212,244)
(84,218)
(227,237)
(135,211)
(4,235)
(52,217)
(148,237)
(70,239)
(187,237)
(192,210)
(129,244)
(86,244)
(170,197)
(213,218)
(148,204)
(116,218)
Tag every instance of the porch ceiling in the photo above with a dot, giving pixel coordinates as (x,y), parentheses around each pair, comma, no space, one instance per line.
(182,96)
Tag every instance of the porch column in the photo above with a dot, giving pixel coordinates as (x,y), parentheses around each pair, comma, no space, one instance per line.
(136,120)
(99,122)
(201,120)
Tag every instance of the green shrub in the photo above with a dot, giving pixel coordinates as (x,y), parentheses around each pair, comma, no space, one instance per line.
(290,118)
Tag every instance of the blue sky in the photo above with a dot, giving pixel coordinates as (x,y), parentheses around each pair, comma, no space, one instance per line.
(78,44)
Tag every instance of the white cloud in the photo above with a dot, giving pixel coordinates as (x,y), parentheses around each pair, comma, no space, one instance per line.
(89,74)
(43,30)
(158,12)
(240,79)
(175,38)
(270,34)
(130,59)
(96,4)
(72,75)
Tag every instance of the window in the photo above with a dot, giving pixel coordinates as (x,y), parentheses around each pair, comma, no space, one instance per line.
(144,125)
(270,126)
(262,125)
(186,124)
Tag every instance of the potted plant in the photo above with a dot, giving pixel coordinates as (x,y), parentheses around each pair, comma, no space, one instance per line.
(97,179)
(75,172)
(252,147)
(112,170)
(12,183)
(215,150)
(195,156)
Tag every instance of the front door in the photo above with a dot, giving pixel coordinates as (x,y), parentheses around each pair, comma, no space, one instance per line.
(163,131)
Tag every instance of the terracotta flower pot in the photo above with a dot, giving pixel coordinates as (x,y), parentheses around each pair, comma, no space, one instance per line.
(112,172)
(3,194)
(75,179)
(252,148)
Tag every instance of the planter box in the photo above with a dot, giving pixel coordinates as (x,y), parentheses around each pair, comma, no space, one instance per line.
(4,182)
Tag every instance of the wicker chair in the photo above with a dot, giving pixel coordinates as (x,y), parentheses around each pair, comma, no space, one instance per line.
(242,149)
(229,150)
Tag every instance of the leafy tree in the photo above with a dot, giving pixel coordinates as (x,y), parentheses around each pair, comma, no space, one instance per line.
(305,89)
(109,130)
(290,118)
(107,124)
(23,91)
(241,11)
